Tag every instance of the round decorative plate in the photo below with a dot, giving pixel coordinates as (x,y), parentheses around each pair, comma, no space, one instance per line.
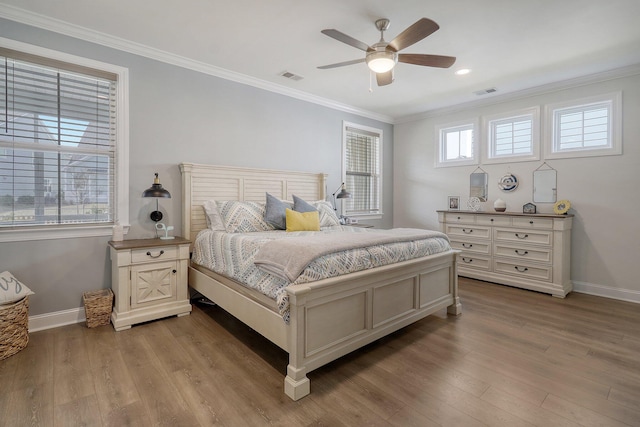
(473,204)
(507,183)
(561,207)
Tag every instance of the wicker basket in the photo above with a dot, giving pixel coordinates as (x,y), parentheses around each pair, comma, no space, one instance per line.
(97,307)
(14,327)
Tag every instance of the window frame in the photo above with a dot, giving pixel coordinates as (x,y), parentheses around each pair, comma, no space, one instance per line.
(614,148)
(121,170)
(489,156)
(440,162)
(370,215)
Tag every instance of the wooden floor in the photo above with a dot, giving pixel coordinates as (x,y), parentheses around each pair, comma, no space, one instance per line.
(512,358)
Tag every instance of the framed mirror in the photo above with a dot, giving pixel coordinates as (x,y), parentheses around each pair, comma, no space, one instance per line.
(544,186)
(479,184)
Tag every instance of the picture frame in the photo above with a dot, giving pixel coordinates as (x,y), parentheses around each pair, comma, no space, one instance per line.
(454,203)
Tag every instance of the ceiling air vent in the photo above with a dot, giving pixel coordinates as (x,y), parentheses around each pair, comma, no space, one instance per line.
(485,91)
(291,76)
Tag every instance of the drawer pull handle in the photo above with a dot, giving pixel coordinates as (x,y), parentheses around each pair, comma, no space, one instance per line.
(519,236)
(155,256)
(467,260)
(521,269)
(523,253)
(467,245)
(491,219)
(464,230)
(531,222)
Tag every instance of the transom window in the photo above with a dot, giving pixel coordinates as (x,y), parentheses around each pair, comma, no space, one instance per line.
(513,137)
(456,144)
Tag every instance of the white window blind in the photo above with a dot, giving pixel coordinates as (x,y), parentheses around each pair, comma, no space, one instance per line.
(583,127)
(511,136)
(57,142)
(362,171)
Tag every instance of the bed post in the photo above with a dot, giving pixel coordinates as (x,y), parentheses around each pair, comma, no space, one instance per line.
(456,307)
(185,170)
(296,383)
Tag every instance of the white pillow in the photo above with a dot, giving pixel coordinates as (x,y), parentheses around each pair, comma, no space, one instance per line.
(11,289)
(214,220)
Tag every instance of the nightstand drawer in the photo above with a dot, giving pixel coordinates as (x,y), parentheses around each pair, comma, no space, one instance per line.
(163,253)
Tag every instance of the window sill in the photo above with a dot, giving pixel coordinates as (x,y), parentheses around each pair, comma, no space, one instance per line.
(19,234)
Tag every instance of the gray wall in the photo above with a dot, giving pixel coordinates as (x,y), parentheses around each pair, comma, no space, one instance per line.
(602,190)
(178,115)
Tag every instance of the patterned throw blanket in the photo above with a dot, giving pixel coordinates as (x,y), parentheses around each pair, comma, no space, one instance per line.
(287,258)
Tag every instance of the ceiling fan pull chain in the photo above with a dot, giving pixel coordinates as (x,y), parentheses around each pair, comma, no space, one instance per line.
(370,81)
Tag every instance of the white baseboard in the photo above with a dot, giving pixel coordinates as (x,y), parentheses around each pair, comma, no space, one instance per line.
(606,291)
(56,319)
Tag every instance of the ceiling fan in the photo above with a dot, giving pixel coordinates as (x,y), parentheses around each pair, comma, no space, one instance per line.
(382,57)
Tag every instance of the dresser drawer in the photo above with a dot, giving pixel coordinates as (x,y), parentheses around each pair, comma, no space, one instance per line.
(471,246)
(523,252)
(466,260)
(459,218)
(523,236)
(494,220)
(154,254)
(529,222)
(469,231)
(523,270)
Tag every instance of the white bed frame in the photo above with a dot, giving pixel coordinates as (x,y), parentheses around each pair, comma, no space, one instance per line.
(331,317)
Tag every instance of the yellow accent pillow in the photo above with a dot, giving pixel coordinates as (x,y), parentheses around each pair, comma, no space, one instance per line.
(302,221)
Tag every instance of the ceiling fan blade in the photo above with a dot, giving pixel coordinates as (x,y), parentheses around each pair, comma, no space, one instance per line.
(427,60)
(413,34)
(384,79)
(342,37)
(342,64)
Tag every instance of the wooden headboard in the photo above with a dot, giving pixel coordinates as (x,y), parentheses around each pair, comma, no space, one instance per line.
(208,182)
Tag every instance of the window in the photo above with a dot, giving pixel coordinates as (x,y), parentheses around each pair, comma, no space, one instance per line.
(513,137)
(456,144)
(363,170)
(59,140)
(589,127)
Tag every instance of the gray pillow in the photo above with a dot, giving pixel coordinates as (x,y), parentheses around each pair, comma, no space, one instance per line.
(275,213)
(300,205)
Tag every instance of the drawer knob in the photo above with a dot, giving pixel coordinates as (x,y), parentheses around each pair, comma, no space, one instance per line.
(491,219)
(467,231)
(155,256)
(531,222)
(174,271)
(521,269)
(467,260)
(520,236)
(523,253)
(467,245)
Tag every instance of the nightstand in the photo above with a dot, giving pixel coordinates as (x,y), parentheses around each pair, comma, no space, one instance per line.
(149,280)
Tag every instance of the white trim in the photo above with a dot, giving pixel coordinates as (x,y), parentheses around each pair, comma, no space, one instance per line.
(51,24)
(615,121)
(40,322)
(122,151)
(607,292)
(439,162)
(487,152)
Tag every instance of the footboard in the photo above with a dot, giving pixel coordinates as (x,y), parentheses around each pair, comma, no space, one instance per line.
(333,317)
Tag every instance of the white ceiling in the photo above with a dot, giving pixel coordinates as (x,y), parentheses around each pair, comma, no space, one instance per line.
(512,45)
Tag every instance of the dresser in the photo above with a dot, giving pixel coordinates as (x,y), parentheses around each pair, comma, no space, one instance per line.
(149,280)
(530,251)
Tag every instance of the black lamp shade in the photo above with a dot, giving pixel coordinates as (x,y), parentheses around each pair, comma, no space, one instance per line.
(156,190)
(343,194)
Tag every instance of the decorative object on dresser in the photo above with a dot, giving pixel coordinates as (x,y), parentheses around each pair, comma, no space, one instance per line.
(526,251)
(149,280)
(474,204)
(529,208)
(500,205)
(454,203)
(508,183)
(562,207)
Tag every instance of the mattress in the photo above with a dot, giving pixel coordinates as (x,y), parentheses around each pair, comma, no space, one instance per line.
(232,255)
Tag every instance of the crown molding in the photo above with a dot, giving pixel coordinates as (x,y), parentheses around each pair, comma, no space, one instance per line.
(61,27)
(616,73)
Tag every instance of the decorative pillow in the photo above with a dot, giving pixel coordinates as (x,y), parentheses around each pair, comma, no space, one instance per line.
(300,205)
(243,217)
(328,216)
(275,212)
(11,289)
(302,221)
(212,214)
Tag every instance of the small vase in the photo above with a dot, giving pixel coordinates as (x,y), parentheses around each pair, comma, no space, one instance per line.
(500,205)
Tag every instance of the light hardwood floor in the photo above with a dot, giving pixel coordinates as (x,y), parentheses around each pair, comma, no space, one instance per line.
(513,358)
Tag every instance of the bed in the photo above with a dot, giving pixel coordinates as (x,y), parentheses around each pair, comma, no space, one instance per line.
(327,318)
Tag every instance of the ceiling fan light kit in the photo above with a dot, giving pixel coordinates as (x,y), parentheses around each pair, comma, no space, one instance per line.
(382,57)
